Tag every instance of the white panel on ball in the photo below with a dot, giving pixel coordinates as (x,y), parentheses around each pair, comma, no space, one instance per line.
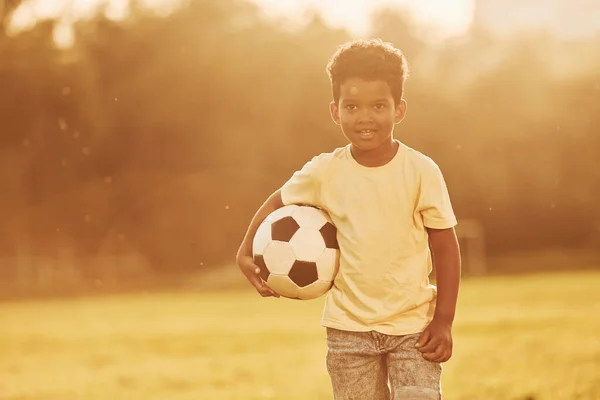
(282,285)
(262,238)
(309,217)
(285,211)
(328,264)
(279,257)
(314,290)
(307,244)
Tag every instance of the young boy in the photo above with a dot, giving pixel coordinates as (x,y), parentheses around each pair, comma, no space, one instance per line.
(388,329)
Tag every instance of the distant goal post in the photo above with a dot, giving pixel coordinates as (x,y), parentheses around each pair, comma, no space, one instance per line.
(471,237)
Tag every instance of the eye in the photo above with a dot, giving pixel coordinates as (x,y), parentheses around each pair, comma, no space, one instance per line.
(351,107)
(379,106)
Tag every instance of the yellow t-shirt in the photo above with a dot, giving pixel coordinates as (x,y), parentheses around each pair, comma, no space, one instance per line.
(381,214)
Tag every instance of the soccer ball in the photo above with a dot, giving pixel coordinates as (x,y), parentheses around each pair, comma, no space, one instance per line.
(297,251)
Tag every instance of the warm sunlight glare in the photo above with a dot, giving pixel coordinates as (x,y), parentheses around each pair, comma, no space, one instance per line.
(32,11)
(446,17)
(443,17)
(63,35)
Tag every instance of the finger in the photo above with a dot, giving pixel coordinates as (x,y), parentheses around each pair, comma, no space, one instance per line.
(431,346)
(271,291)
(435,356)
(446,349)
(439,357)
(430,357)
(441,353)
(261,287)
(266,291)
(446,356)
(423,339)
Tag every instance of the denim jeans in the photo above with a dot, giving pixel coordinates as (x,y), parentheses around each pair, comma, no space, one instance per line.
(375,366)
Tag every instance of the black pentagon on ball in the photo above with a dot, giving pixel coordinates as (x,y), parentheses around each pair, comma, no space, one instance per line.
(283,229)
(303,273)
(329,233)
(260,262)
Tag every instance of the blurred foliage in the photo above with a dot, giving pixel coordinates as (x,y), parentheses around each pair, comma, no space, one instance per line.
(163,135)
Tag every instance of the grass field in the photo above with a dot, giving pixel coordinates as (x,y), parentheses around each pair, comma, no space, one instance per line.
(526,337)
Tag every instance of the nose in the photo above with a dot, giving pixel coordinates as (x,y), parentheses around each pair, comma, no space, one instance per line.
(364,115)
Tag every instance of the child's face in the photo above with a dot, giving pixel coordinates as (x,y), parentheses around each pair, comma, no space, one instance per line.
(367,113)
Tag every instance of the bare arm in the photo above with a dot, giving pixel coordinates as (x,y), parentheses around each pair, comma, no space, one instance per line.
(446,256)
(244,255)
(272,203)
(436,340)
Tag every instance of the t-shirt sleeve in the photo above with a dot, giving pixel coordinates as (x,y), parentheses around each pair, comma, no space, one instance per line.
(303,186)
(434,200)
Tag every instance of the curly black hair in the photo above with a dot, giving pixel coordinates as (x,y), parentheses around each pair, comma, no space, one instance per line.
(370,60)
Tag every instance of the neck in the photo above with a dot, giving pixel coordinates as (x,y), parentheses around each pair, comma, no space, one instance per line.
(375,157)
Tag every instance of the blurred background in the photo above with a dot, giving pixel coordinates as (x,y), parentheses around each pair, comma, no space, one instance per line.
(138,138)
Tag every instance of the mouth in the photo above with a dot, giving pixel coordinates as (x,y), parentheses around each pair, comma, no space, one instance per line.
(366,133)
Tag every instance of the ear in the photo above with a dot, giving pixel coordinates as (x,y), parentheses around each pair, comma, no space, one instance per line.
(400,111)
(335,112)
